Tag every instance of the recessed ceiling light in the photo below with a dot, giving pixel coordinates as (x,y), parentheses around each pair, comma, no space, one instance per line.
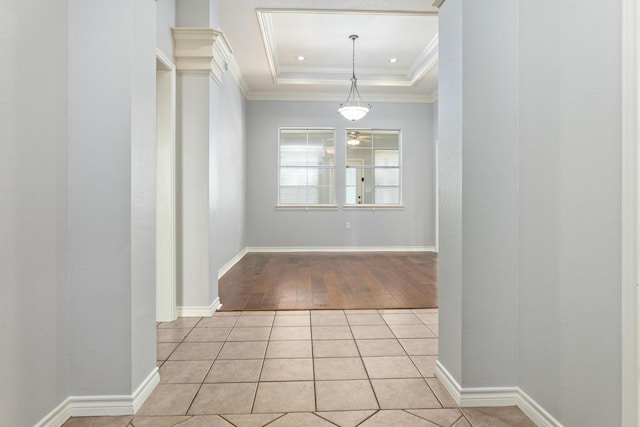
(393,60)
(300,58)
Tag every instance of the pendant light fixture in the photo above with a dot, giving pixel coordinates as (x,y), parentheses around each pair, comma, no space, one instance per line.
(353,108)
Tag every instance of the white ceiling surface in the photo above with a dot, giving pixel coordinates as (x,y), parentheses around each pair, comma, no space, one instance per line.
(267,36)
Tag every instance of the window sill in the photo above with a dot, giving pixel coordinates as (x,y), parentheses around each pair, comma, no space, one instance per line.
(306,208)
(374,207)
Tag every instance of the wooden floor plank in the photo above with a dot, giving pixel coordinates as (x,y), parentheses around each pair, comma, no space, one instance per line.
(306,281)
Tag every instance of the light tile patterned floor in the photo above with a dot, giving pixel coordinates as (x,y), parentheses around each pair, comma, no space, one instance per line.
(303,368)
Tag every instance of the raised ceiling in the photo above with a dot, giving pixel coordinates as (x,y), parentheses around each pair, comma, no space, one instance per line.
(268,36)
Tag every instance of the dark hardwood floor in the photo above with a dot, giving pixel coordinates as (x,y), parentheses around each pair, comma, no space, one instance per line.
(341,280)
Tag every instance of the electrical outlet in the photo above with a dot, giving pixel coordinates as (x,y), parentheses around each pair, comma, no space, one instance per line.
(348,226)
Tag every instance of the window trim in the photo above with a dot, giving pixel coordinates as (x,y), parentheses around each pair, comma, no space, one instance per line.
(375,206)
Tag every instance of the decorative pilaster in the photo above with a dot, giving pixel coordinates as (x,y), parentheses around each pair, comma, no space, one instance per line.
(201,50)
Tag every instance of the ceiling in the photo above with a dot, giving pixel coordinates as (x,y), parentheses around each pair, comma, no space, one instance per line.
(268,36)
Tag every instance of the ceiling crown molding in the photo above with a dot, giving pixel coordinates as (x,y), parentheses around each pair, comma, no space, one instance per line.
(438,3)
(201,50)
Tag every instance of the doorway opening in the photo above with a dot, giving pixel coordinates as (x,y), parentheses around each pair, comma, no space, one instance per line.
(165,190)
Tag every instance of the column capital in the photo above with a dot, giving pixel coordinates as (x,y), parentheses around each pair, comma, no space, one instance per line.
(201,50)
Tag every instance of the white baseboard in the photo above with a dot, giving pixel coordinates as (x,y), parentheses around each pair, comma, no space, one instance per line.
(341,249)
(199,311)
(231,263)
(495,396)
(96,406)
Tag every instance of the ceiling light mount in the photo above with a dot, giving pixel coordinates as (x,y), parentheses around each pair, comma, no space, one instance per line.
(354,108)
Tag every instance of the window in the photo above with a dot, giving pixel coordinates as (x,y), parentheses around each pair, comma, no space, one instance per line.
(373,167)
(307,167)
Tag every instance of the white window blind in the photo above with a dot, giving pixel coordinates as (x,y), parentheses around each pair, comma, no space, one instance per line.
(306,167)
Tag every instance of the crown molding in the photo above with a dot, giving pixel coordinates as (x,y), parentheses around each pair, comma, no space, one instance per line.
(201,50)
(438,3)
(338,97)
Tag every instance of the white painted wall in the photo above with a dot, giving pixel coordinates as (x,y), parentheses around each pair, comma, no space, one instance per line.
(570,209)
(34,290)
(530,185)
(266,227)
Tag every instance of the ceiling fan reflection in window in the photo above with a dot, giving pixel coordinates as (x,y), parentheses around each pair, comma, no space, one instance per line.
(355,138)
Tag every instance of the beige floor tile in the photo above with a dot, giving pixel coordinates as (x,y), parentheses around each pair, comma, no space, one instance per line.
(429,318)
(343,368)
(420,346)
(98,421)
(462,422)
(395,311)
(227,314)
(180,322)
(292,321)
(288,349)
(411,331)
(424,311)
(205,421)
(505,416)
(426,365)
(249,334)
(287,370)
(345,395)
(258,313)
(434,329)
(346,418)
(382,347)
(218,322)
(184,372)
(196,351)
(249,321)
(331,333)
(207,334)
(306,419)
(164,350)
(396,418)
(390,367)
(172,334)
(371,332)
(335,348)
(291,333)
(285,397)
(235,371)
(441,417)
(441,393)
(408,393)
(328,319)
(401,319)
(292,313)
(314,312)
(361,312)
(243,350)
(158,421)
(365,319)
(169,399)
(234,398)
(251,420)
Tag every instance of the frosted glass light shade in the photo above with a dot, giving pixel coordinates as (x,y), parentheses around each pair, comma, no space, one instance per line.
(353,112)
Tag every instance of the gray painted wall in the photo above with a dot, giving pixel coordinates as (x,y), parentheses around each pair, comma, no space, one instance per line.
(111,195)
(228,173)
(570,213)
(34,288)
(166,18)
(266,227)
(534,121)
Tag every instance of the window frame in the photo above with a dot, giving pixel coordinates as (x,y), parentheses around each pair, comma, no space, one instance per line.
(307,206)
(373,167)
